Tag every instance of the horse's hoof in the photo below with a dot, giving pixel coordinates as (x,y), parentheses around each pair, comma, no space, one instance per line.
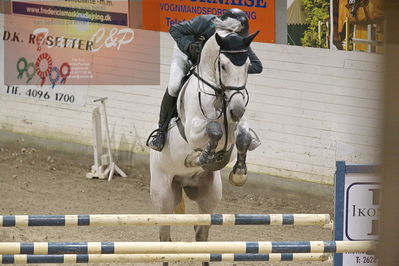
(237,179)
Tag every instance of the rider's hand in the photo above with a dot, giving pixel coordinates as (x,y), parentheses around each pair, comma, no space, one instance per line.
(194,50)
(201,38)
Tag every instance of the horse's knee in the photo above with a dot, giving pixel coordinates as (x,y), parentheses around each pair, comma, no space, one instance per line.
(214,130)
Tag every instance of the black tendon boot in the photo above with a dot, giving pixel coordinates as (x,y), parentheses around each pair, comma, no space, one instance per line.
(156,140)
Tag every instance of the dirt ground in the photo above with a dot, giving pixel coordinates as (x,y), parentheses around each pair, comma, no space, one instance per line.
(34,180)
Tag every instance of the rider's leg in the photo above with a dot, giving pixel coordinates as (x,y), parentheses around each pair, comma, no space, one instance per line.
(157,138)
(180,66)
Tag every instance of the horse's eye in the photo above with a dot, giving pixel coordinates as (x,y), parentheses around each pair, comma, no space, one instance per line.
(223,67)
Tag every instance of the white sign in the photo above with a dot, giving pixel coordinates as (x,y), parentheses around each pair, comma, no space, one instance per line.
(362,211)
(358,195)
(361,214)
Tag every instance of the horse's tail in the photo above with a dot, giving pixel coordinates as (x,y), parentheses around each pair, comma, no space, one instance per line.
(181,207)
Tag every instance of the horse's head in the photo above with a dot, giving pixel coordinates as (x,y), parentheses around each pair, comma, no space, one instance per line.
(225,62)
(232,70)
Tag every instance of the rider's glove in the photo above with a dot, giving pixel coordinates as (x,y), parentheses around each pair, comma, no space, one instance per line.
(194,49)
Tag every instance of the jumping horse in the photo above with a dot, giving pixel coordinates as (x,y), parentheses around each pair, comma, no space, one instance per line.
(210,125)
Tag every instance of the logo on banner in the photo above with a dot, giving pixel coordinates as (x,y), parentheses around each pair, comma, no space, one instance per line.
(363,211)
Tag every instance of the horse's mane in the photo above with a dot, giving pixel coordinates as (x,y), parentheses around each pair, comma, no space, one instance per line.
(227,26)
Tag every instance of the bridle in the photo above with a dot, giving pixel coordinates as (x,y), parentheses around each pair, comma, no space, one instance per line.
(220,93)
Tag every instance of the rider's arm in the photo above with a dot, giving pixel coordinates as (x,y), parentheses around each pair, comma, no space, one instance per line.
(255,66)
(184,33)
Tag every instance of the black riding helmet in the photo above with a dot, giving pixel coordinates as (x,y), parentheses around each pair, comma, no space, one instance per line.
(239,15)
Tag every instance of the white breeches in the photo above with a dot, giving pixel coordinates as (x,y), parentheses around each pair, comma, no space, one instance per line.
(179,67)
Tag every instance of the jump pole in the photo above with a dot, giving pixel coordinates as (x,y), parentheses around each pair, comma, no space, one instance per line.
(165,219)
(44,248)
(136,258)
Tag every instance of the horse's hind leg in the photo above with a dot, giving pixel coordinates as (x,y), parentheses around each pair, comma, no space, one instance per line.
(165,201)
(207,194)
(238,175)
(208,204)
(165,196)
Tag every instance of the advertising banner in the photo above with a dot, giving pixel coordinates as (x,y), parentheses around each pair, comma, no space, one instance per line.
(261,13)
(56,45)
(105,12)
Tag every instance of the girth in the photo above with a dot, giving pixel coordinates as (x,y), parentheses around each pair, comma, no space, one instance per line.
(181,129)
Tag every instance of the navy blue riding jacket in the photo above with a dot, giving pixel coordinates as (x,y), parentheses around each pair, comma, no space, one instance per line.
(187,32)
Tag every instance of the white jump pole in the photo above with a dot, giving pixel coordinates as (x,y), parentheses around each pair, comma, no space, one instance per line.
(165,219)
(140,258)
(44,248)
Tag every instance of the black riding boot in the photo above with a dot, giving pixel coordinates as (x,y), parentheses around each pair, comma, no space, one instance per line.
(156,140)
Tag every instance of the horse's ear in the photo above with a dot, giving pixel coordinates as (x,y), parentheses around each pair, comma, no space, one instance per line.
(250,38)
(219,39)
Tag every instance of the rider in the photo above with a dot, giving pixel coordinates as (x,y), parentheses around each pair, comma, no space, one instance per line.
(190,36)
(352,5)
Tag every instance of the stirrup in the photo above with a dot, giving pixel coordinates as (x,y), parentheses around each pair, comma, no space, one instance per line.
(157,133)
(255,141)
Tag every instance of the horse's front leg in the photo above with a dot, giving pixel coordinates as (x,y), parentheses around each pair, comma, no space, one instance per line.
(214,132)
(238,176)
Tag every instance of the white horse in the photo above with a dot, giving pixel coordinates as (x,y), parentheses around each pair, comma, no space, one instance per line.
(211,108)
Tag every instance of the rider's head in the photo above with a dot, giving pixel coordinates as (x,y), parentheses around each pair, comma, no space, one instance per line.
(238,14)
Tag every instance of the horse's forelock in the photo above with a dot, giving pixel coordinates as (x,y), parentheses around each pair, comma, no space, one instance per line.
(227,26)
(223,28)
